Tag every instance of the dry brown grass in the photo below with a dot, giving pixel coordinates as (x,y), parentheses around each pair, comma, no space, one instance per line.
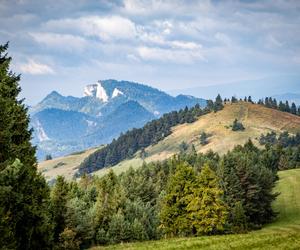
(65,166)
(256,119)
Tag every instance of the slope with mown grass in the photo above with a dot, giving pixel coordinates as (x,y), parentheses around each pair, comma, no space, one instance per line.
(283,233)
(256,119)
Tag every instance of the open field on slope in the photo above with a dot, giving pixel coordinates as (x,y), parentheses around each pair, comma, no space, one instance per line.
(65,166)
(256,119)
(283,233)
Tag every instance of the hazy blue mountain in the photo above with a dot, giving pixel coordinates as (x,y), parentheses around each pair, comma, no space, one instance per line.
(268,86)
(64,124)
(127,116)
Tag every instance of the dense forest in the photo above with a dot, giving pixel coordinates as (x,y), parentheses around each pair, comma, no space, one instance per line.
(138,139)
(188,195)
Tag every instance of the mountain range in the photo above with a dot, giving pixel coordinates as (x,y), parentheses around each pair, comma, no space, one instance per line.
(66,124)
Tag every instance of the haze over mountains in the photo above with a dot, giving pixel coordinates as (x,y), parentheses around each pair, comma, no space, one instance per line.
(65,124)
(278,87)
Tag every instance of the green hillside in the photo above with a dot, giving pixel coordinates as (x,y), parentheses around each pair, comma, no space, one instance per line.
(257,120)
(283,233)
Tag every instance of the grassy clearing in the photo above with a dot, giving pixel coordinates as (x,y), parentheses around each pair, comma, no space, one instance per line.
(283,233)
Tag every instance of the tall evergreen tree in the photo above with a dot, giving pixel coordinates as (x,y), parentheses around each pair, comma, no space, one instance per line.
(218,105)
(59,198)
(293,109)
(25,213)
(206,210)
(173,215)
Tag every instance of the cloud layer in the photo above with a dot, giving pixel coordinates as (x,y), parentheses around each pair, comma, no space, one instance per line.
(164,43)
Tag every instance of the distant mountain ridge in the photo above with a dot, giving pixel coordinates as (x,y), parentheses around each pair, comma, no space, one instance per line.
(64,124)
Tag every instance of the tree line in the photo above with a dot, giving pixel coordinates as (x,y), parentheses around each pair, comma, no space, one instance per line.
(270,102)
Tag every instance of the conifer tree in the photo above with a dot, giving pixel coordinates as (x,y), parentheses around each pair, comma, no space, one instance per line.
(25,214)
(203,138)
(59,197)
(293,109)
(218,105)
(173,215)
(206,211)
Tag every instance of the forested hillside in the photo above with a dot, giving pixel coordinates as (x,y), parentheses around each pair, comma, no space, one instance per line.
(138,139)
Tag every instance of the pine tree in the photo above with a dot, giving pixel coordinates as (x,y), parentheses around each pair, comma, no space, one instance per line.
(26,213)
(234,99)
(287,107)
(203,138)
(293,109)
(218,105)
(281,106)
(237,126)
(206,211)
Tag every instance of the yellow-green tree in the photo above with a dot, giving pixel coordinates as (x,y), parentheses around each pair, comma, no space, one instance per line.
(206,210)
(174,217)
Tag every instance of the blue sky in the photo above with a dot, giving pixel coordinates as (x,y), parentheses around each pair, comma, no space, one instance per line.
(172,44)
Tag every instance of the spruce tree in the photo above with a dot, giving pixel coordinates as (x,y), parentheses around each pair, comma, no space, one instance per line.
(24,213)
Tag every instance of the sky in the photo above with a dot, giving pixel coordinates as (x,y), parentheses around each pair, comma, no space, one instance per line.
(64,45)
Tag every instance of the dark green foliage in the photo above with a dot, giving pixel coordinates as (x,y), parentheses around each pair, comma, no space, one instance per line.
(284,139)
(59,206)
(203,138)
(132,141)
(177,197)
(183,147)
(270,102)
(237,126)
(234,99)
(24,195)
(293,109)
(218,105)
(269,138)
(48,157)
(248,180)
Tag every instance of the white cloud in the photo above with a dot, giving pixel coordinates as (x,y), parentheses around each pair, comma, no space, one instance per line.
(60,41)
(186,45)
(33,67)
(170,55)
(106,28)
